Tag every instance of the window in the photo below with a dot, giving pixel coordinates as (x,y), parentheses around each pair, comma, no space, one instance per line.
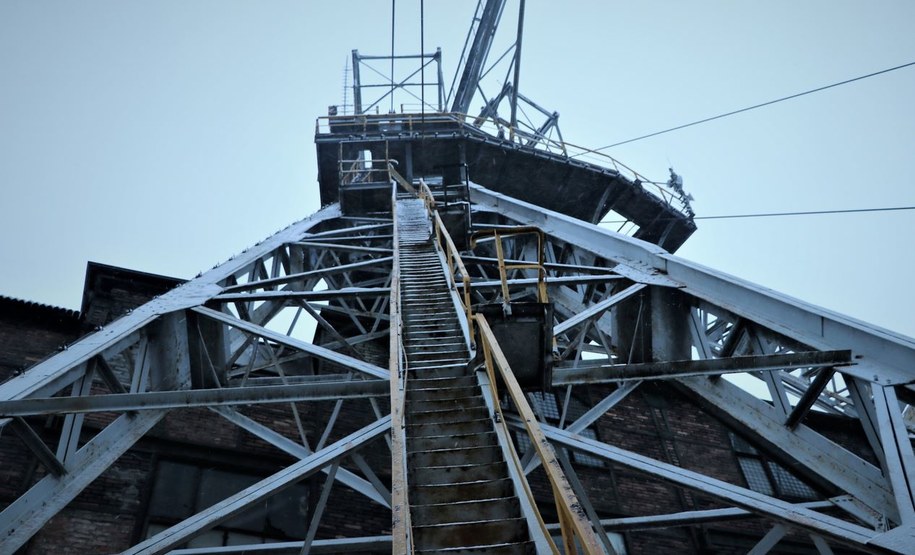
(545,406)
(181,490)
(768,477)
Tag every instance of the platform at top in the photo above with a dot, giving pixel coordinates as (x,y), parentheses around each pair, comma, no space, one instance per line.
(424,144)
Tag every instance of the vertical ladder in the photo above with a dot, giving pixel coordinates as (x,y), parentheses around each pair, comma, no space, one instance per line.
(461,497)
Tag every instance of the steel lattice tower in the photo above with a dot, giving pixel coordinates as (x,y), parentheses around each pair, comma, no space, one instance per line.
(430,217)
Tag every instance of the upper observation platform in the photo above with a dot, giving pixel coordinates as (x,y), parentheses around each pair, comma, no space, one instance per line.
(555,175)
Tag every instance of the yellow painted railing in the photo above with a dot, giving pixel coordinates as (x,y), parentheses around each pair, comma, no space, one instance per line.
(456,267)
(572,521)
(575,528)
(498,234)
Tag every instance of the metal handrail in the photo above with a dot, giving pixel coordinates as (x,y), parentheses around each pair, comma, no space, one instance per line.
(455,266)
(401,533)
(445,243)
(493,126)
(500,233)
(572,522)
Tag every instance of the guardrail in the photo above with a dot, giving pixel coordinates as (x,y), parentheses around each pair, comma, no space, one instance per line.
(416,122)
(572,522)
(401,533)
(455,266)
(502,233)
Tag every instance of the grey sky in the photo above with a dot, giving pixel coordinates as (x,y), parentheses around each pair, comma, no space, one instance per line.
(166,136)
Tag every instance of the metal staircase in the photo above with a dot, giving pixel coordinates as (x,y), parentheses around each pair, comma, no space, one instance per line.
(460,494)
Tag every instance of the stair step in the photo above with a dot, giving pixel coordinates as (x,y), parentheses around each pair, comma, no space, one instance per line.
(500,508)
(445,306)
(425,297)
(466,534)
(426,394)
(445,383)
(428,313)
(438,477)
(516,548)
(432,443)
(423,365)
(418,371)
(449,428)
(437,345)
(455,491)
(444,325)
(455,414)
(443,357)
(463,403)
(411,303)
(434,335)
(448,458)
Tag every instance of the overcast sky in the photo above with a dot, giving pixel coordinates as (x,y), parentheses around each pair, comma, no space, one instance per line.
(166,136)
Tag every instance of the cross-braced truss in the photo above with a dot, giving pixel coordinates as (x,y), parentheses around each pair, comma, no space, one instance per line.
(298,319)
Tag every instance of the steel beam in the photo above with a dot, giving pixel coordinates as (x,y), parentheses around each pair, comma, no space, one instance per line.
(770,540)
(590,372)
(369,544)
(897,452)
(810,396)
(49,376)
(597,308)
(32,510)
(760,504)
(235,504)
(562,280)
(302,276)
(818,457)
(327,391)
(880,355)
(312,296)
(300,451)
(344,247)
(688,518)
(476,58)
(320,352)
(31,440)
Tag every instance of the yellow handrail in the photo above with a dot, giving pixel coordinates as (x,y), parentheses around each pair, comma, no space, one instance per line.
(399,179)
(455,265)
(572,521)
(500,233)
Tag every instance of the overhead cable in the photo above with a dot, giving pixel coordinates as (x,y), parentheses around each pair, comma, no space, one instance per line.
(773,214)
(747,109)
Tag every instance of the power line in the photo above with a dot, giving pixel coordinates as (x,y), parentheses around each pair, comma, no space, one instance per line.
(774,214)
(747,109)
